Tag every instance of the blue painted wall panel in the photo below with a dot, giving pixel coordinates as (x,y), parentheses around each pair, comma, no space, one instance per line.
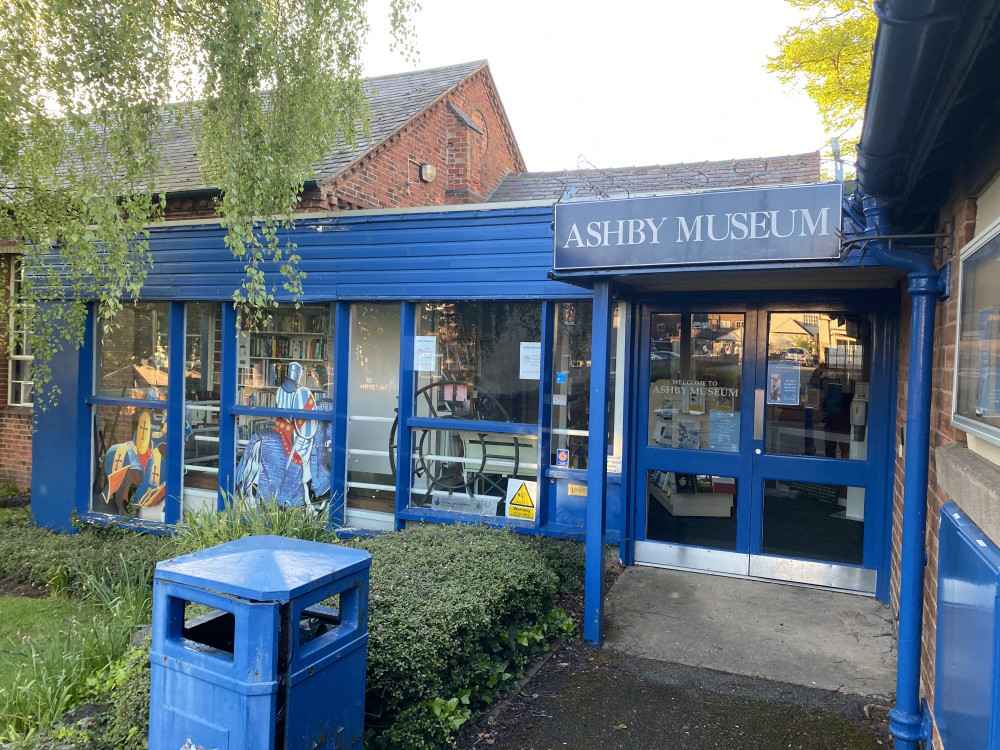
(60,468)
(966,704)
(571,510)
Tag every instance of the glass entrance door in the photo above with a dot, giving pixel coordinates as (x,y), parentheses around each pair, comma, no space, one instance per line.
(755,455)
(693,476)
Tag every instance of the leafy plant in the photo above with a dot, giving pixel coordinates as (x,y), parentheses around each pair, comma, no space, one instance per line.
(242,516)
(455,614)
(90,92)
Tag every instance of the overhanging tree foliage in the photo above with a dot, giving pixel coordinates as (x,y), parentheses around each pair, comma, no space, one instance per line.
(86,87)
(829,54)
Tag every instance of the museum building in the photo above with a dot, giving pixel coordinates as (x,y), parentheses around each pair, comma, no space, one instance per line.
(731,368)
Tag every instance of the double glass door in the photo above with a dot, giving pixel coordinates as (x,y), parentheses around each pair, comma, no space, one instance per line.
(753,453)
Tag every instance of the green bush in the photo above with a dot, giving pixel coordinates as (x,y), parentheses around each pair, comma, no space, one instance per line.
(36,556)
(454,613)
(242,517)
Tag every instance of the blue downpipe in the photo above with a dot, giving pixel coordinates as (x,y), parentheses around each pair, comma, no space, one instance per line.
(908,719)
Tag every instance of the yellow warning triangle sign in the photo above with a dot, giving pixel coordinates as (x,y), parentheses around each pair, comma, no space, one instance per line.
(522,498)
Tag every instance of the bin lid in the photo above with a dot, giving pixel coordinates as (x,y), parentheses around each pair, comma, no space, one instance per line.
(264,568)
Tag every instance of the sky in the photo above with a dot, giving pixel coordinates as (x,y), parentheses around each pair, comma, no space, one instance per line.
(620,83)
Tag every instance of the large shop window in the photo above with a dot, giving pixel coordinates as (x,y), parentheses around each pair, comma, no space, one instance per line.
(977,378)
(571,385)
(373,393)
(283,371)
(130,439)
(478,369)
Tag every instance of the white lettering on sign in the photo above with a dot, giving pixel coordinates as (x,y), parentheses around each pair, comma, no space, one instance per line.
(742,225)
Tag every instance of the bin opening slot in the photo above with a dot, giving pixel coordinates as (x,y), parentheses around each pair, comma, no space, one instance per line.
(319,619)
(206,626)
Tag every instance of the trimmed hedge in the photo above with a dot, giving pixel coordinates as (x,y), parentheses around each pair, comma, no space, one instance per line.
(454,612)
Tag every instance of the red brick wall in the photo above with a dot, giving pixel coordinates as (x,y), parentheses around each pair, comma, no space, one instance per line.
(15,446)
(469,163)
(470,151)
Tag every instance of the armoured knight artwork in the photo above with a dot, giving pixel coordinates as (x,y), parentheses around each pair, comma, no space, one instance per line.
(135,470)
(289,463)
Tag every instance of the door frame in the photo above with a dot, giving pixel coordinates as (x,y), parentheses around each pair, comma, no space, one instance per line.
(875,473)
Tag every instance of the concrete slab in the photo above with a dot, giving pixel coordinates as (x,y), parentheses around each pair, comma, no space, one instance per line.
(792,634)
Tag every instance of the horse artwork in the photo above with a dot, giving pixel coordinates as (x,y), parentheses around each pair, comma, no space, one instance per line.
(289,463)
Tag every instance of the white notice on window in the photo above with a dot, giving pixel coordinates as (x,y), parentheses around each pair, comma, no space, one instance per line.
(424,353)
(531,360)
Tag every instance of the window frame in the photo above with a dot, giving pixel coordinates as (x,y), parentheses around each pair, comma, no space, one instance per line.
(14,292)
(967,424)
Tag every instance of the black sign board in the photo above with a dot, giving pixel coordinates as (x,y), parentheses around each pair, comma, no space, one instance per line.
(768,225)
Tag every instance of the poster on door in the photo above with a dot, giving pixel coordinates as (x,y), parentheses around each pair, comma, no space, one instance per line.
(783,384)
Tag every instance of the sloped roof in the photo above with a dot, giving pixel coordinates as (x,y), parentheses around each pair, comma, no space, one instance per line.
(589,184)
(394,100)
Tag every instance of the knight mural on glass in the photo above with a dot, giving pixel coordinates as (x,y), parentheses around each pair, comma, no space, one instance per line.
(135,469)
(289,463)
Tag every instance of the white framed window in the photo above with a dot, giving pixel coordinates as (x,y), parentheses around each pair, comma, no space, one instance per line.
(976,400)
(20,385)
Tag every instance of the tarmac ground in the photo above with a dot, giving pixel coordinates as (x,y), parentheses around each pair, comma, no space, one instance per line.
(599,699)
(694,661)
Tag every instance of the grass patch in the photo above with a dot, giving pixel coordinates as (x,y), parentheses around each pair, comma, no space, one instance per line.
(25,623)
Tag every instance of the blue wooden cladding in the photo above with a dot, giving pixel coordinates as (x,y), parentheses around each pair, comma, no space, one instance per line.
(476,254)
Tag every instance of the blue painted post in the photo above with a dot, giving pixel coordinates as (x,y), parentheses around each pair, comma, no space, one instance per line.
(338,459)
(227,399)
(597,464)
(908,718)
(84,417)
(175,414)
(407,330)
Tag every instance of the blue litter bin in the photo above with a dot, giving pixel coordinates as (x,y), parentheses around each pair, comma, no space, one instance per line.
(261,664)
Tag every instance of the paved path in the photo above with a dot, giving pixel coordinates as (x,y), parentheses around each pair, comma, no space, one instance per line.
(804,636)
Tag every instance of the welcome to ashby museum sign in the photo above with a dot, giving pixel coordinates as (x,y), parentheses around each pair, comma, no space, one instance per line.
(779,224)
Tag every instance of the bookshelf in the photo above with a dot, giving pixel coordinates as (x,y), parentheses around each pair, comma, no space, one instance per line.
(264,356)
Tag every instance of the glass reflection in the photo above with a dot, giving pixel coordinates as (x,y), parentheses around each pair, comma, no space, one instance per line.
(695,380)
(132,362)
(818,375)
(691,509)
